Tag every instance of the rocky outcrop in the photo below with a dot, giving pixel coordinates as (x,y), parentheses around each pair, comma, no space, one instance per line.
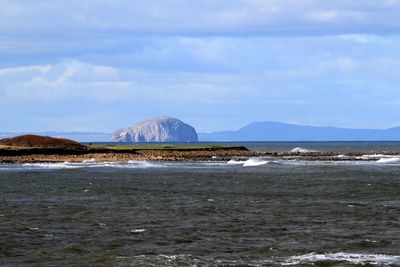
(160,129)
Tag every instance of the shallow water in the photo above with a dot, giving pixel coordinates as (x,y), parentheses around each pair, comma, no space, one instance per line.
(200,214)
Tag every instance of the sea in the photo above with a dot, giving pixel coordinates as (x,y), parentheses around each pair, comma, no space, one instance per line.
(241,212)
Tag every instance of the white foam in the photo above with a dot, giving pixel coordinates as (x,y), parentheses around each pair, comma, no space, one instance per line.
(301,150)
(137,231)
(355,258)
(248,163)
(374,156)
(235,162)
(133,164)
(254,162)
(64,165)
(90,164)
(144,164)
(341,156)
(388,160)
(89,161)
(324,163)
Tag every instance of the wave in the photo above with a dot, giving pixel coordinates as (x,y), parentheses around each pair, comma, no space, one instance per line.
(353,258)
(301,150)
(141,164)
(388,160)
(326,162)
(92,163)
(137,231)
(254,162)
(308,259)
(380,158)
(250,162)
(89,161)
(132,164)
(235,162)
(61,165)
(372,156)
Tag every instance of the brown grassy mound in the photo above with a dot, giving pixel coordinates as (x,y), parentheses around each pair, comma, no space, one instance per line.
(38,141)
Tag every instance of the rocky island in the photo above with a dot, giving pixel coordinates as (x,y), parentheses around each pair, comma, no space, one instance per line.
(159,129)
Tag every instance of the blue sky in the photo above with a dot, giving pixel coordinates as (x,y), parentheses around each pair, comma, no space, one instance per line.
(98,65)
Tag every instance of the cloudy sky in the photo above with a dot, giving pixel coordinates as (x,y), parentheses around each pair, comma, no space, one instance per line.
(99,65)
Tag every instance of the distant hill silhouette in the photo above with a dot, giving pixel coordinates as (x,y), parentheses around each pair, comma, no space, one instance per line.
(277,131)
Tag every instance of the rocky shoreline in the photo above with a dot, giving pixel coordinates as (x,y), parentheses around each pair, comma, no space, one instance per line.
(49,156)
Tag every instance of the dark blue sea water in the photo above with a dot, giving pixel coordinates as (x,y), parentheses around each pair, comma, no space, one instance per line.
(213,213)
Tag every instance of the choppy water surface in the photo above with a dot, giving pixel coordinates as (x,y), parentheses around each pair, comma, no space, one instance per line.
(332,146)
(201,214)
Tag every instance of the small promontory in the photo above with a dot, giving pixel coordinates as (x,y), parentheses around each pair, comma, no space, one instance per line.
(37,141)
(159,129)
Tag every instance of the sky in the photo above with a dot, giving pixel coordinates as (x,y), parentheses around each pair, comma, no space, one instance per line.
(101,65)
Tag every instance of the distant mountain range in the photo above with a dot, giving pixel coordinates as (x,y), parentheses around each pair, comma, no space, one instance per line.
(77,136)
(277,131)
(257,131)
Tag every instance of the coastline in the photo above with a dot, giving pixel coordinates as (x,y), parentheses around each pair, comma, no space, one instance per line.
(101,154)
(36,155)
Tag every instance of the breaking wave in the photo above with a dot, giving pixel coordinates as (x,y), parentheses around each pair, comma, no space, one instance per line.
(301,150)
(252,162)
(92,163)
(132,164)
(372,156)
(89,161)
(235,162)
(312,259)
(353,258)
(388,160)
(249,162)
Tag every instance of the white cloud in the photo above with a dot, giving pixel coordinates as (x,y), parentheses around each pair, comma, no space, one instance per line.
(335,16)
(24,69)
(220,82)
(195,17)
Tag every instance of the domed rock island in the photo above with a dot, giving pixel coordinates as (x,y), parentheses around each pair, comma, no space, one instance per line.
(159,129)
